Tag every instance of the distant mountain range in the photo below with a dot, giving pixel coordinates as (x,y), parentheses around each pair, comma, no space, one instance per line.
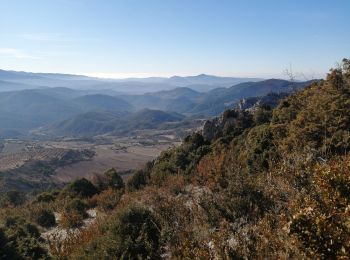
(15,80)
(211,103)
(64,111)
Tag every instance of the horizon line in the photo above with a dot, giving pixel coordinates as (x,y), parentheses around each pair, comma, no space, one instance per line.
(144,75)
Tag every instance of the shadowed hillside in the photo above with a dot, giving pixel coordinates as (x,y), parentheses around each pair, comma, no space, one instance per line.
(119,123)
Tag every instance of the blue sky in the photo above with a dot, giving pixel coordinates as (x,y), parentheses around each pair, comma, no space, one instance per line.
(122,38)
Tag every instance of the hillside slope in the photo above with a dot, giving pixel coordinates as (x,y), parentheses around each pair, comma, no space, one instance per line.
(216,101)
(102,102)
(118,123)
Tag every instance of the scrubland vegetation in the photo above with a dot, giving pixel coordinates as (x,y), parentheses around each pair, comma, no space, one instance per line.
(269,183)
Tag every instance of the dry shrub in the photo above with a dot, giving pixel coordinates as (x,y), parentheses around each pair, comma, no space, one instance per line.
(106,200)
(210,170)
(174,184)
(63,247)
(71,220)
(321,219)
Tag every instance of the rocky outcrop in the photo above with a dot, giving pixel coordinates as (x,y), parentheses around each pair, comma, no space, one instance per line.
(211,128)
(253,103)
(215,127)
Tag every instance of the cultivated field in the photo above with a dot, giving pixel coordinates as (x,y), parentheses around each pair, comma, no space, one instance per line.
(63,160)
(121,155)
(9,161)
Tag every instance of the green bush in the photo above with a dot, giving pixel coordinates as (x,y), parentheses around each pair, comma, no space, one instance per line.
(80,188)
(262,115)
(110,179)
(138,234)
(45,218)
(25,237)
(13,198)
(76,206)
(137,180)
(45,197)
(133,233)
(74,213)
(7,250)
(115,181)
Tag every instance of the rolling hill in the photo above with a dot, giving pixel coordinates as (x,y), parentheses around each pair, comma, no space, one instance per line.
(96,123)
(25,110)
(102,102)
(216,101)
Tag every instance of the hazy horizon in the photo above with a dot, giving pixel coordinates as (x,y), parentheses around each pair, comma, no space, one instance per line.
(122,76)
(126,76)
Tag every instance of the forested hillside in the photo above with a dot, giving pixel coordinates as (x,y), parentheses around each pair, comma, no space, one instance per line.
(259,183)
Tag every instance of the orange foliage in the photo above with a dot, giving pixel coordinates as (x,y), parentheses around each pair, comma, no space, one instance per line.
(62,247)
(211,169)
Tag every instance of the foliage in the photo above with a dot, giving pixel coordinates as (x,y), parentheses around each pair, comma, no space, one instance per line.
(179,160)
(13,198)
(7,250)
(138,180)
(106,200)
(262,115)
(110,179)
(45,217)
(132,234)
(80,188)
(25,237)
(323,223)
(74,213)
(45,197)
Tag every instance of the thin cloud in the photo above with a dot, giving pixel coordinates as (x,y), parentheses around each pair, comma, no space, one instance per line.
(16,53)
(54,37)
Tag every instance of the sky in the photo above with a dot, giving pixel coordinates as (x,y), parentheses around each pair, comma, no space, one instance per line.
(141,38)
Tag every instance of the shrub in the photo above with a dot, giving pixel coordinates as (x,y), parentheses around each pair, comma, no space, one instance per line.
(262,115)
(106,200)
(13,198)
(74,214)
(137,180)
(139,234)
(45,218)
(322,223)
(132,233)
(71,220)
(7,250)
(110,179)
(76,206)
(45,197)
(260,148)
(25,237)
(82,188)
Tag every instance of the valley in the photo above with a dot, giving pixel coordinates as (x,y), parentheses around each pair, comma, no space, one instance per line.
(62,160)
